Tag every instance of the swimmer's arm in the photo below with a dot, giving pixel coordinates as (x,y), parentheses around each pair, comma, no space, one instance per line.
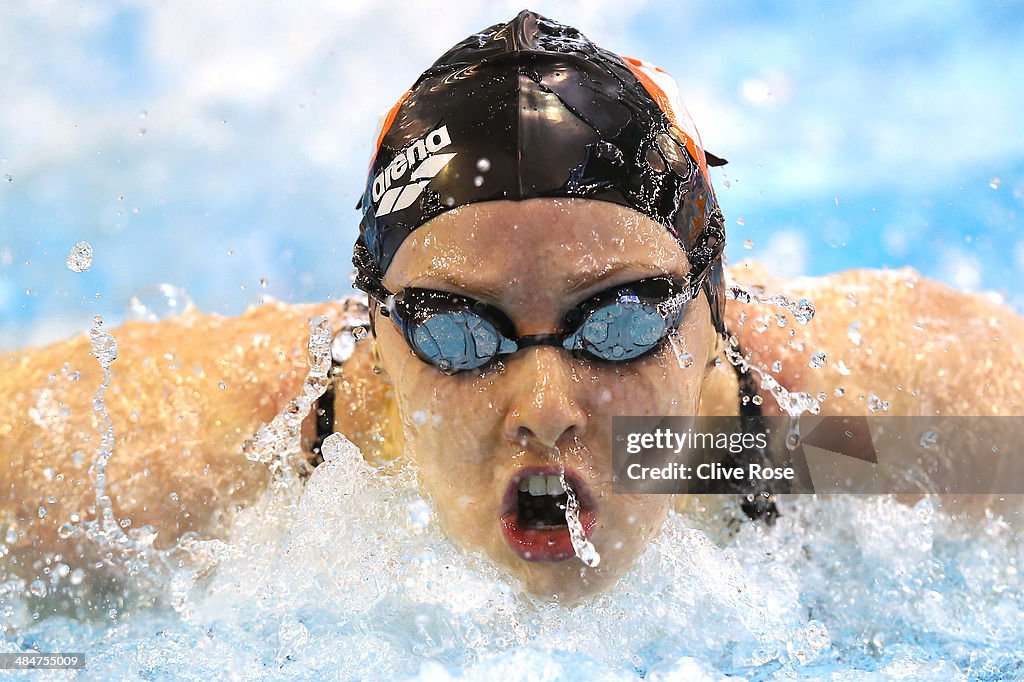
(185,395)
(914,343)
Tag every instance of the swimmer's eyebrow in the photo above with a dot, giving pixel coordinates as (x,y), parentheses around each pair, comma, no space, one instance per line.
(586,281)
(589,281)
(456,285)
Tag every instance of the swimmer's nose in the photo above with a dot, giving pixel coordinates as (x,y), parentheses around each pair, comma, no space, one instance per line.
(542,400)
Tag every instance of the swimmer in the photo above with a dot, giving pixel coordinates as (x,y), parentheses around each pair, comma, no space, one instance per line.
(532,199)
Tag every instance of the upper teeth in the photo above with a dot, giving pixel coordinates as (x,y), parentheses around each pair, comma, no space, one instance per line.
(541,485)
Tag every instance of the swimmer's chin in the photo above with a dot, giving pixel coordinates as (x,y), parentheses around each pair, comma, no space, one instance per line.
(568,583)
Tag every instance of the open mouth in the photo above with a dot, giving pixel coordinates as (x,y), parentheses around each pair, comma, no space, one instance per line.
(533,513)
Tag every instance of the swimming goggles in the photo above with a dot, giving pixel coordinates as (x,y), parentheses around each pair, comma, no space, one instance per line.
(456,333)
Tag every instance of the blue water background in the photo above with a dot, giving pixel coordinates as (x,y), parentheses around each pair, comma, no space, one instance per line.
(215,145)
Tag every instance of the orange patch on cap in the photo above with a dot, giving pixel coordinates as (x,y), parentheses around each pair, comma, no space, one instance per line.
(385,123)
(649,75)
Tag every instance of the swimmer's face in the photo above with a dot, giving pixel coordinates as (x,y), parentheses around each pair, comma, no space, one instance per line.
(475,434)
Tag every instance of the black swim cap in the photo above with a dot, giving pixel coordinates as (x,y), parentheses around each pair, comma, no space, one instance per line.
(529,109)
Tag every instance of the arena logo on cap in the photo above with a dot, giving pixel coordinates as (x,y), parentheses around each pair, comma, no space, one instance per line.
(419,159)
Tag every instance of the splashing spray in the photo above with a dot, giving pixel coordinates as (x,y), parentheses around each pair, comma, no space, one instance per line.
(278,444)
(104,349)
(584,548)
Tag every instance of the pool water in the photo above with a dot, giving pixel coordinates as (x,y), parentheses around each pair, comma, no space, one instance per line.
(349,577)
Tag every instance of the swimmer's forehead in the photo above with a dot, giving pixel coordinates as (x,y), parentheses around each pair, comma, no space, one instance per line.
(569,246)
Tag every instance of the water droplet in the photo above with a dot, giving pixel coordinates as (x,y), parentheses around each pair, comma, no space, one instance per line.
(483,165)
(343,346)
(741,221)
(994,183)
(757,400)
(748,243)
(65,531)
(928,439)
(37,588)
(80,257)
(359,333)
(817,360)
(263,282)
(803,312)
(42,512)
(839,392)
(478,180)
(854,335)
(8,177)
(876,404)
(777,366)
(77,576)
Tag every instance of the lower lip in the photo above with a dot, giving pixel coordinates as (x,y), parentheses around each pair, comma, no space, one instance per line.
(543,544)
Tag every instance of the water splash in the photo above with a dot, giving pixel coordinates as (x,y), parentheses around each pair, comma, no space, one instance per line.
(278,444)
(104,349)
(358,576)
(793,403)
(803,310)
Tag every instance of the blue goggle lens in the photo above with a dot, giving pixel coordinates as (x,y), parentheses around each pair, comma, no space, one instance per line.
(456,340)
(620,331)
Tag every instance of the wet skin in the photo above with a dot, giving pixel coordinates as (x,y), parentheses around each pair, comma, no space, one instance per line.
(476,430)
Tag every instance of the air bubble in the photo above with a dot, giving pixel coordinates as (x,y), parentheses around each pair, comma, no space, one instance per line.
(483,165)
(158,303)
